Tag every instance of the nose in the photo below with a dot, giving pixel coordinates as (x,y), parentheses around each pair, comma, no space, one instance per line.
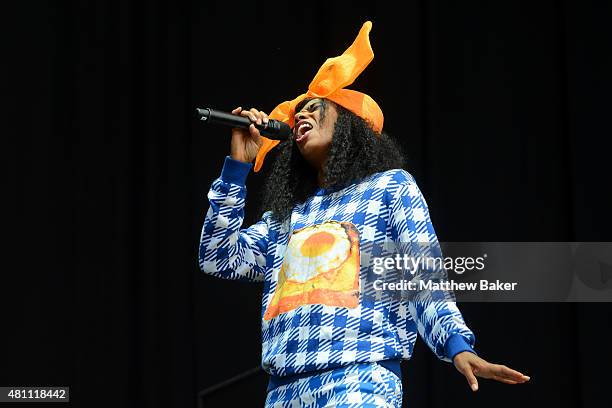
(299,116)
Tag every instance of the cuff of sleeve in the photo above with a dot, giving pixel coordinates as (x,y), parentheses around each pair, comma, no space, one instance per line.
(455,345)
(235,171)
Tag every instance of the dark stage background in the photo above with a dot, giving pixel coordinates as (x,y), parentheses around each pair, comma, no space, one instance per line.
(502,108)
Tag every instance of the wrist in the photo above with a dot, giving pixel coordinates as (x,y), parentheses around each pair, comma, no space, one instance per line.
(235,171)
(460,354)
(239,158)
(455,345)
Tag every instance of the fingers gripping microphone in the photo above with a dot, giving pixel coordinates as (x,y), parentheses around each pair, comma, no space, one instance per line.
(273,130)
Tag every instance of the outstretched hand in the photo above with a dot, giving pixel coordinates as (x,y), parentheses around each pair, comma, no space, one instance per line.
(471,366)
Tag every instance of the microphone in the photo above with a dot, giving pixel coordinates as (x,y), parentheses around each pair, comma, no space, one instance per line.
(273,130)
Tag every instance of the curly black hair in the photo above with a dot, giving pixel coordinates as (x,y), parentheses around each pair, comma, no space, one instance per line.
(356,151)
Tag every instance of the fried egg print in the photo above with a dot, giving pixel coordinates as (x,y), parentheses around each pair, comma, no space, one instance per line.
(321,266)
(316,249)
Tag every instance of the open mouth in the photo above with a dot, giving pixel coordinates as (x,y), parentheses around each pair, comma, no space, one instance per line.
(302,132)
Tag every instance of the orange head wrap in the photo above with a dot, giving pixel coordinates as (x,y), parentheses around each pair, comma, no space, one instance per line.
(329,83)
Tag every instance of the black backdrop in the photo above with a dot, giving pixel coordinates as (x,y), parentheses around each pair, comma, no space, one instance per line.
(502,108)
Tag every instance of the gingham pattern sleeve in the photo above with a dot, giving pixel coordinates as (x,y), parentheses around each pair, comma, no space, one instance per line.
(227,250)
(439,321)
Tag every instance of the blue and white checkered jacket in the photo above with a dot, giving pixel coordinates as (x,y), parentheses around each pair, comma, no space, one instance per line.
(311,336)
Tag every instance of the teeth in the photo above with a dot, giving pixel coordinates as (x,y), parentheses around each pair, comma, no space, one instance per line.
(304,125)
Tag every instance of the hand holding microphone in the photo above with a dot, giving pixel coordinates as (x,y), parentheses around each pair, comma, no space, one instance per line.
(247,129)
(246,142)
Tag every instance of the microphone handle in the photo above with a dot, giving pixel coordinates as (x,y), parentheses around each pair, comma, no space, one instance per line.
(275,129)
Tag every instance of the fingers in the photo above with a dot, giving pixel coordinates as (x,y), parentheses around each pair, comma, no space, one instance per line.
(466,370)
(501,371)
(253,114)
(254,132)
(256,116)
(504,380)
(261,116)
(471,379)
(471,366)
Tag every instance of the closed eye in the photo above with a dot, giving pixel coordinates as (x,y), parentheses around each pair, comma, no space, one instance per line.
(314,107)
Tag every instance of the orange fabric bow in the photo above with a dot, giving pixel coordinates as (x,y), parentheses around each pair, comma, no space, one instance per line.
(329,83)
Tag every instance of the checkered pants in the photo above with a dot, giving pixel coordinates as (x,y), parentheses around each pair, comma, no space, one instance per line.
(358,385)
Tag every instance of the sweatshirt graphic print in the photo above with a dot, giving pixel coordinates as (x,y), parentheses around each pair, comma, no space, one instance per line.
(319,308)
